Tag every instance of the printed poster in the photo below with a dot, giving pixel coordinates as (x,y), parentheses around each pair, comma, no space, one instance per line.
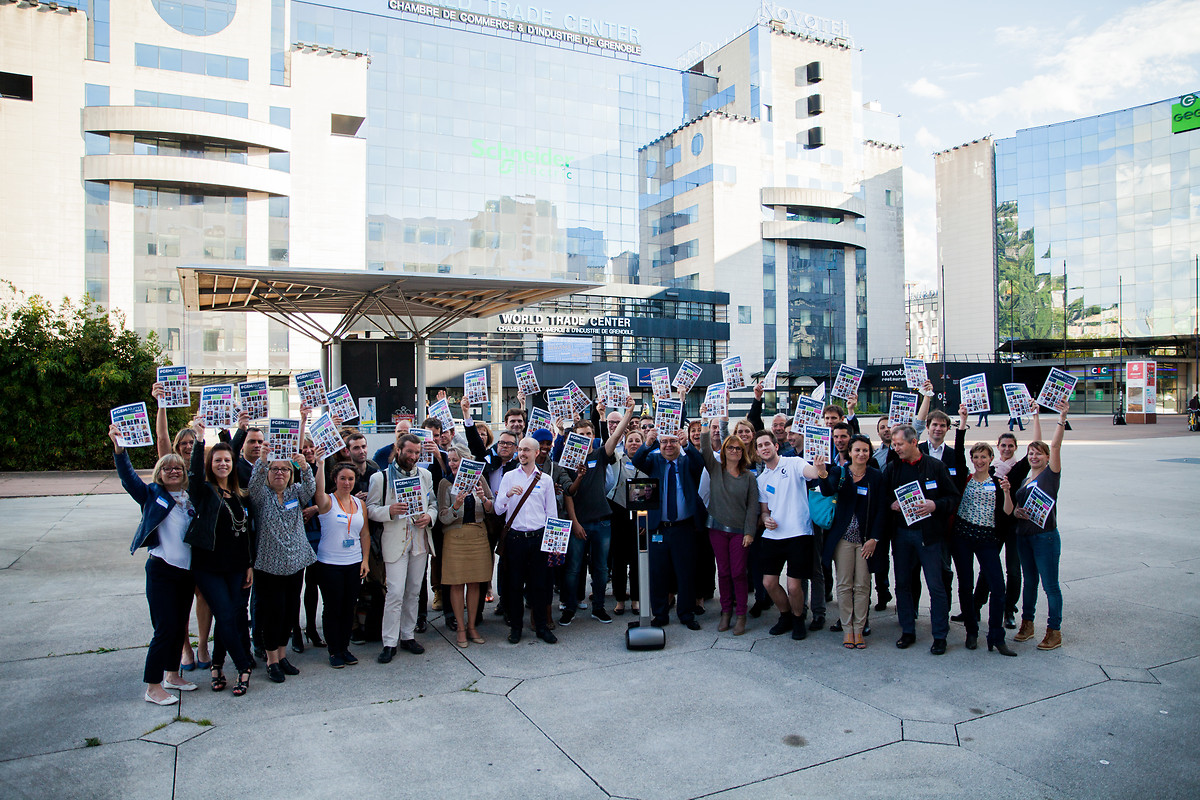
(467,477)
(408,490)
(341,404)
(618,391)
(687,376)
(974,393)
(903,409)
(312,388)
(133,425)
(253,398)
(845,385)
(174,381)
(557,535)
(579,398)
(283,438)
(732,373)
(427,445)
(716,401)
(668,417)
(475,386)
(575,450)
(772,376)
(601,384)
(217,406)
(527,381)
(660,383)
(441,412)
(818,441)
(808,412)
(1059,386)
(915,373)
(1038,505)
(324,434)
(560,404)
(366,414)
(540,419)
(1020,404)
(912,502)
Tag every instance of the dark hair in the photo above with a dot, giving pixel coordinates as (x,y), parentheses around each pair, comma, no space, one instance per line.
(858,437)
(432,423)
(983,447)
(938,414)
(834,408)
(1007,435)
(354,435)
(407,438)
(515,412)
(255,429)
(338,467)
(507,432)
(769,434)
(232,480)
(841,426)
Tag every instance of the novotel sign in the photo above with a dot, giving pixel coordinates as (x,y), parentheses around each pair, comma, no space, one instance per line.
(534,21)
(823,28)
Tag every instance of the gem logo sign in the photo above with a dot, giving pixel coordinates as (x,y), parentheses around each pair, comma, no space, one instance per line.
(1185,115)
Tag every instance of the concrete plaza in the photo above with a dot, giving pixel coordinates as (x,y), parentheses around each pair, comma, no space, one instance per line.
(1114,713)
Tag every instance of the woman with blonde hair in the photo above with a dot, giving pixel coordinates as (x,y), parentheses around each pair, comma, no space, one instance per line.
(732,520)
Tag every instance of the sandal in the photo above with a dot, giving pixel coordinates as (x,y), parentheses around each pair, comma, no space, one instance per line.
(619,609)
(218,680)
(475,637)
(243,684)
(462,638)
(848,641)
(859,644)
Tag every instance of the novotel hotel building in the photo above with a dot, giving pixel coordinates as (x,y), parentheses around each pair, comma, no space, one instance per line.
(748,202)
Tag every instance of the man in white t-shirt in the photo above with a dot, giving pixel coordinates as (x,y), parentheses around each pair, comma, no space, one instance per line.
(788,534)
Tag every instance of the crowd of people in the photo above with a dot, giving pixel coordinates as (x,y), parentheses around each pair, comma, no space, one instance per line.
(251,537)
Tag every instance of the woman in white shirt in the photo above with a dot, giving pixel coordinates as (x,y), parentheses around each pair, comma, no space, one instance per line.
(342,557)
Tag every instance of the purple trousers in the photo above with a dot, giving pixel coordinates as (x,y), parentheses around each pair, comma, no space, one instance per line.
(731,570)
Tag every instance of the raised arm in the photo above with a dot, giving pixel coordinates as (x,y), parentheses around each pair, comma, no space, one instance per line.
(319,495)
(1056,442)
(923,411)
(162,432)
(756,408)
(196,468)
(610,446)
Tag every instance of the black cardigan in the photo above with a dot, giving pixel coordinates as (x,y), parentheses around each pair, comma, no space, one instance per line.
(849,503)
(943,493)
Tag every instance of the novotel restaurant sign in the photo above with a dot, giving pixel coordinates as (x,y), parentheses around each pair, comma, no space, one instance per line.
(533,21)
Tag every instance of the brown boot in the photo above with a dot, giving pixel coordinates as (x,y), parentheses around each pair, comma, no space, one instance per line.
(1026,631)
(723,625)
(739,626)
(1053,640)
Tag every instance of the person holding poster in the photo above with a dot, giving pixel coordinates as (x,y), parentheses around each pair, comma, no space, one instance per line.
(466,554)
(343,557)
(406,542)
(1040,545)
(918,543)
(732,523)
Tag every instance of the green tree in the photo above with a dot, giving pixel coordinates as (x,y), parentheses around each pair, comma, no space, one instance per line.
(61,370)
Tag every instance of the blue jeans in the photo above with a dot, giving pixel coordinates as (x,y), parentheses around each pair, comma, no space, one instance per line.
(595,547)
(1039,559)
(908,552)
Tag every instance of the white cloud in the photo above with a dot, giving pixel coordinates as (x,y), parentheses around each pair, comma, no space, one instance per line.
(923,87)
(920,225)
(1142,47)
(1017,36)
(926,140)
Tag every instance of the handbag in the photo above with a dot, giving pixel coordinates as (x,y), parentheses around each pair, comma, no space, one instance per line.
(821,508)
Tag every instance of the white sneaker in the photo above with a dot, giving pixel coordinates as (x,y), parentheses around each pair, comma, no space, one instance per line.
(169,701)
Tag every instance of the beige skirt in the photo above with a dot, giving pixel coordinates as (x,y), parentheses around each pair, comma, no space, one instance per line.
(466,555)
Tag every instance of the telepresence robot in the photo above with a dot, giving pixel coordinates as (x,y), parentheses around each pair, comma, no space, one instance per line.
(641,495)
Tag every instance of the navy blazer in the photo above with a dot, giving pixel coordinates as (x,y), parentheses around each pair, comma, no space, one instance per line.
(849,500)
(654,465)
(156,503)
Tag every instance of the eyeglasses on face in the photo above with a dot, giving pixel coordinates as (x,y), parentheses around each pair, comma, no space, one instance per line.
(172,469)
(281,469)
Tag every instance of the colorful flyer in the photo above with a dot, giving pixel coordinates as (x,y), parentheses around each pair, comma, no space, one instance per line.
(441,412)
(915,373)
(974,393)
(772,376)
(341,404)
(716,401)
(732,373)
(475,385)
(467,477)
(1020,403)
(325,435)
(556,536)
(660,383)
(1038,505)
(818,441)
(366,414)
(668,417)
(1059,386)
(253,398)
(601,384)
(808,412)
(217,406)
(174,381)
(575,450)
(539,419)
(579,398)
(845,385)
(427,445)
(133,425)
(527,381)
(283,437)
(408,490)
(618,391)
(312,388)
(903,409)
(912,502)
(560,404)
(687,376)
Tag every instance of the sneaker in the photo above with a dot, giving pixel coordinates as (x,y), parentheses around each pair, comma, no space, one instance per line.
(582,605)
(785,624)
(566,618)
(349,658)
(600,615)
(336,662)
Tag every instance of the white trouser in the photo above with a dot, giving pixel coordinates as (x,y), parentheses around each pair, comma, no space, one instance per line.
(404,577)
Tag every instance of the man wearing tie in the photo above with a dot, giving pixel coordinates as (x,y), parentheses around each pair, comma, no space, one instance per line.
(671,525)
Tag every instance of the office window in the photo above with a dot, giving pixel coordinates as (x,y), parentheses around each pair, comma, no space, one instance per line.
(745,315)
(15,86)
(95,95)
(281,116)
(887,198)
(191,61)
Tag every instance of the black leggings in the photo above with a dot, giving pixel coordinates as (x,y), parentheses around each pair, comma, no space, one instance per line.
(623,554)
(169,594)
(339,591)
(278,606)
(227,599)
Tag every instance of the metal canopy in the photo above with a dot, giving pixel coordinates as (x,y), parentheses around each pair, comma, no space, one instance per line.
(398,304)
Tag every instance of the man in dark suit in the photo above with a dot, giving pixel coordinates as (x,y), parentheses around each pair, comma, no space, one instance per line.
(672,538)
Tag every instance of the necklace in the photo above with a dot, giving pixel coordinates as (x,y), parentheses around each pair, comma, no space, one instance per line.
(239,525)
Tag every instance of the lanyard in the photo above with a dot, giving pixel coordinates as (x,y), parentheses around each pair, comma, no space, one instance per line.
(349,514)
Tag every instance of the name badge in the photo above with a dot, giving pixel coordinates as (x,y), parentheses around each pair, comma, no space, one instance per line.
(348,543)
(862,490)
(342,517)
(162,501)
(953,471)
(291,504)
(591,464)
(629,467)
(989,487)
(656,537)
(930,484)
(770,489)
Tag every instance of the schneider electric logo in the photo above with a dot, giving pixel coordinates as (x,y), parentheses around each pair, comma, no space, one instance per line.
(1185,115)
(538,162)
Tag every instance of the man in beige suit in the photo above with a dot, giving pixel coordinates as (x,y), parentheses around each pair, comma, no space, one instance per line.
(407,545)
